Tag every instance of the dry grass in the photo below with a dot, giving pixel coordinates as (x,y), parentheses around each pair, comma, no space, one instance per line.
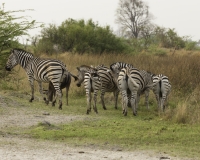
(182,68)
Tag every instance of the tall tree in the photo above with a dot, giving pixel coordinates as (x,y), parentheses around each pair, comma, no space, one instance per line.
(132,16)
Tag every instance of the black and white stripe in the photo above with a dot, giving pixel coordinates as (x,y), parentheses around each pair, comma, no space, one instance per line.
(89,77)
(65,83)
(137,81)
(41,70)
(108,84)
(117,66)
(161,89)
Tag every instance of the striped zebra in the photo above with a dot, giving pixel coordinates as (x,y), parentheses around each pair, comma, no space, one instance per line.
(161,89)
(89,77)
(108,84)
(41,70)
(51,92)
(117,66)
(137,81)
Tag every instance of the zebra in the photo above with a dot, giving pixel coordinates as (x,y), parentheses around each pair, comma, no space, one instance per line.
(41,70)
(161,89)
(51,92)
(108,84)
(117,66)
(135,80)
(88,75)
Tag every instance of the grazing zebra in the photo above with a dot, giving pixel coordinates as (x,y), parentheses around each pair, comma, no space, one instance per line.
(137,81)
(88,75)
(51,92)
(108,84)
(41,70)
(161,89)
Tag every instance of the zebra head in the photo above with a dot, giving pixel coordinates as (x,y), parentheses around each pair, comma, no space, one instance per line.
(115,68)
(94,75)
(12,61)
(80,76)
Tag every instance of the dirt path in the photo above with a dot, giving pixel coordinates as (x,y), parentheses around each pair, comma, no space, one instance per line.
(23,148)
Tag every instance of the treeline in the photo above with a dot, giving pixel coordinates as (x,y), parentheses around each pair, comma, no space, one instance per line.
(80,36)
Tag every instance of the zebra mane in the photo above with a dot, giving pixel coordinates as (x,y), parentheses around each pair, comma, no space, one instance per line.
(22,51)
(85,66)
(121,65)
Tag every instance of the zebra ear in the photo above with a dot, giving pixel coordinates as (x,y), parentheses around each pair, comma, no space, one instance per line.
(78,68)
(108,70)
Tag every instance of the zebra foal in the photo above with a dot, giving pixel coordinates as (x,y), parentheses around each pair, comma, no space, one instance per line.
(41,70)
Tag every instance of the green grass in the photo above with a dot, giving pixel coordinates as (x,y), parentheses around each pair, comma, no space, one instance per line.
(127,132)
(110,128)
(146,131)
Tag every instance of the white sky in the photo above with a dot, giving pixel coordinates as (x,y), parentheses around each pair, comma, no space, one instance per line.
(179,14)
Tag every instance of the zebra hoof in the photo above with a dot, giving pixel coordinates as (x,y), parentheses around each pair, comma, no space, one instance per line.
(135,114)
(87,112)
(31,99)
(104,108)
(96,112)
(125,113)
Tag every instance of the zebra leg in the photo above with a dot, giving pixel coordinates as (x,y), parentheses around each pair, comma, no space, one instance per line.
(95,101)
(146,92)
(32,89)
(102,100)
(116,93)
(124,102)
(67,90)
(59,95)
(134,102)
(162,104)
(89,97)
(41,92)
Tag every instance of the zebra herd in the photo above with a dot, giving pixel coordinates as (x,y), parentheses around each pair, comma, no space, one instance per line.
(118,78)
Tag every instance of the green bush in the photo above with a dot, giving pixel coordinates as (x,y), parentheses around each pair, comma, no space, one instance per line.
(81,37)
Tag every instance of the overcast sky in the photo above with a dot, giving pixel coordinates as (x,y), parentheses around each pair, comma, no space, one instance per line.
(183,15)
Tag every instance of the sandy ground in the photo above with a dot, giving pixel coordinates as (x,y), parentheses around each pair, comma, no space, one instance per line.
(22,148)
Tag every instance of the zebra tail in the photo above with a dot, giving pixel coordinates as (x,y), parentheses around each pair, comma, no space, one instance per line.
(75,78)
(160,85)
(134,83)
(64,74)
(151,86)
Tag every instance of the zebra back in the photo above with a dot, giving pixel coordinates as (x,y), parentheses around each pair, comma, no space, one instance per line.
(119,65)
(108,82)
(163,80)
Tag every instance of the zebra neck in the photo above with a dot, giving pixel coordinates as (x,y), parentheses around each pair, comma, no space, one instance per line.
(24,61)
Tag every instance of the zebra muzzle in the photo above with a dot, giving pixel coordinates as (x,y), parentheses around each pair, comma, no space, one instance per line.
(78,85)
(7,69)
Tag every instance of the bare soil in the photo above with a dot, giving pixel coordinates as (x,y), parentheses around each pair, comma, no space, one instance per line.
(15,147)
